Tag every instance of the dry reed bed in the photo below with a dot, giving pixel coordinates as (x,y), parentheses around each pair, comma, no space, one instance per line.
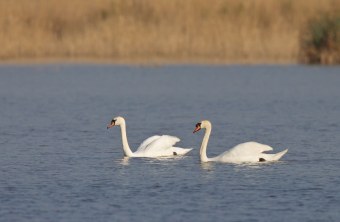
(249,31)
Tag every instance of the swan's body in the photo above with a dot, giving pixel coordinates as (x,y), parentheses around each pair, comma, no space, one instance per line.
(155,146)
(244,152)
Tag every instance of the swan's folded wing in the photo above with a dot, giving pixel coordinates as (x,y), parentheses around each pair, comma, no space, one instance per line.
(147,142)
(250,148)
(161,144)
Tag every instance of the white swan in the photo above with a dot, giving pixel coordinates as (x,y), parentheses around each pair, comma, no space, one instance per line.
(155,146)
(244,152)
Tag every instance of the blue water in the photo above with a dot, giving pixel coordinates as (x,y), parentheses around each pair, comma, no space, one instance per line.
(58,161)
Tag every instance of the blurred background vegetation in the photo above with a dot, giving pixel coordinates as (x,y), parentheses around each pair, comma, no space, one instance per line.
(217,31)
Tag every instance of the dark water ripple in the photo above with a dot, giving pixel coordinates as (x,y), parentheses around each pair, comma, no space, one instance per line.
(59,163)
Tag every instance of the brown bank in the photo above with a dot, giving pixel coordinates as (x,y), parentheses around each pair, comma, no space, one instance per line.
(218,31)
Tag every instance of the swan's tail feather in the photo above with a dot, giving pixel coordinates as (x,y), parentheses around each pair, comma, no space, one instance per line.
(278,156)
(181,151)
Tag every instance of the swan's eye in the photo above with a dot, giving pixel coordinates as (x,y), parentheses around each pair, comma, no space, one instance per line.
(113,122)
(198,125)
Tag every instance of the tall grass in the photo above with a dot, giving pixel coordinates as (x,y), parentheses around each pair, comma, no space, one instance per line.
(249,31)
(320,41)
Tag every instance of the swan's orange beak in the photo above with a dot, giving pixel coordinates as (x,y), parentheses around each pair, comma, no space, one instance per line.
(109,126)
(112,124)
(198,127)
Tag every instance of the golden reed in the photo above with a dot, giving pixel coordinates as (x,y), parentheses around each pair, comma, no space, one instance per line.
(227,31)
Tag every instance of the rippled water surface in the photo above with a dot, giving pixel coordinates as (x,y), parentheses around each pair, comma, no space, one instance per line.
(58,161)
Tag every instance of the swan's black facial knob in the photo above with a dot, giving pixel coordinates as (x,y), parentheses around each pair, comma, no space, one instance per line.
(112,124)
(198,127)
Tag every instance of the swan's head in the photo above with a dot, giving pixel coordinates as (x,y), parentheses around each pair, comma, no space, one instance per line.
(116,122)
(202,125)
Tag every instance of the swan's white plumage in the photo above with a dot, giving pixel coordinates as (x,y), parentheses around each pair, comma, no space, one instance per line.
(147,141)
(159,146)
(247,152)
(250,148)
(154,146)
(243,150)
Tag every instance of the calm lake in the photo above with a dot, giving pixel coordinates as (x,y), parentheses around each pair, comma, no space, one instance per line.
(58,161)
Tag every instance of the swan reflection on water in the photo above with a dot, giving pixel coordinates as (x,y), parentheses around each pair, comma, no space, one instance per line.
(208,166)
(256,166)
(125,161)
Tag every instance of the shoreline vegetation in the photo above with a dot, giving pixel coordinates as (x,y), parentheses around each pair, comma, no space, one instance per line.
(176,31)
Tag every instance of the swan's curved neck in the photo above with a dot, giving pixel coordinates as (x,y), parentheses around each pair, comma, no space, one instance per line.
(203,150)
(126,147)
